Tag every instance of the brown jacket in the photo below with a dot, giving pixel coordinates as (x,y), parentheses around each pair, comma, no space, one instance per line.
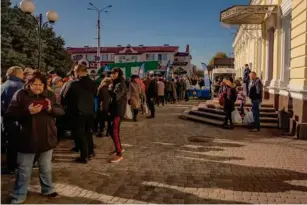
(134,94)
(37,132)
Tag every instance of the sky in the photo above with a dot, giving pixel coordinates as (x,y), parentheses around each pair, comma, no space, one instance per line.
(147,22)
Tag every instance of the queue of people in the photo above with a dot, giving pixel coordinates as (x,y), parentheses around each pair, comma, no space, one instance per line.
(37,109)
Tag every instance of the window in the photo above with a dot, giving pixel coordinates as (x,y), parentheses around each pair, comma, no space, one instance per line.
(150,57)
(122,58)
(133,58)
(164,57)
(104,57)
(159,57)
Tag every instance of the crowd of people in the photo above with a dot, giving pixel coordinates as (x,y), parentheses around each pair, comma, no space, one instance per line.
(239,90)
(39,109)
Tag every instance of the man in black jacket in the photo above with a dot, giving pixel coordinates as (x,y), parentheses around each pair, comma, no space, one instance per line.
(79,101)
(246,79)
(255,94)
(151,94)
(118,93)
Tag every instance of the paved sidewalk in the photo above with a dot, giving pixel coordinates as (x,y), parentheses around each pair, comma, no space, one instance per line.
(169,160)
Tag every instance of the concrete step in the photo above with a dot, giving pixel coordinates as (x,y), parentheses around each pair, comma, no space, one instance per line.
(215,116)
(221,116)
(263,112)
(250,105)
(187,116)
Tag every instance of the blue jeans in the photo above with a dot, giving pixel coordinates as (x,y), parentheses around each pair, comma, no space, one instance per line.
(23,176)
(256,113)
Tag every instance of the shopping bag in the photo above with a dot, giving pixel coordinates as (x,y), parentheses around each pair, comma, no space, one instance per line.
(236,117)
(248,118)
(146,109)
(128,114)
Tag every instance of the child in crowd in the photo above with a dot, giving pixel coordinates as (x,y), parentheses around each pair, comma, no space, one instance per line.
(241,97)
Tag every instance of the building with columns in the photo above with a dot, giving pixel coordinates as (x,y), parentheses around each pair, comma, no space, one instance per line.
(272,39)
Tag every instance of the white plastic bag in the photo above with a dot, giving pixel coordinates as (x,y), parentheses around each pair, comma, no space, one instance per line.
(236,117)
(197,87)
(128,114)
(248,118)
(146,109)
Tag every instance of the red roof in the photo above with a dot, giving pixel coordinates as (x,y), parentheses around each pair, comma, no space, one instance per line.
(116,50)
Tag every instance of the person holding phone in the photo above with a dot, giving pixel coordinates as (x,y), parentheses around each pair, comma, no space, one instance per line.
(35,109)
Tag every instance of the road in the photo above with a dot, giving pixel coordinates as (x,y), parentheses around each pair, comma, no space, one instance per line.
(169,160)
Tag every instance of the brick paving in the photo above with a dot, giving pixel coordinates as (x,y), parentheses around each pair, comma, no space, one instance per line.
(169,160)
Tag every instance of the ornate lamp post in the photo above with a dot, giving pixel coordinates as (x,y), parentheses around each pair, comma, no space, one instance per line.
(28,7)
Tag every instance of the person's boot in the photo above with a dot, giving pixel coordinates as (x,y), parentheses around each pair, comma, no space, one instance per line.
(225,125)
(75,149)
(231,127)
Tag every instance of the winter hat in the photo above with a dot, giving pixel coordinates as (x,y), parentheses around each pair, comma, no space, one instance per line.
(55,80)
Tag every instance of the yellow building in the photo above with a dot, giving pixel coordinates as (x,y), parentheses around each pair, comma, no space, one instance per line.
(272,39)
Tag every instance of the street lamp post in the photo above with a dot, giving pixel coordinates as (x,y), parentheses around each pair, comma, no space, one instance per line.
(28,7)
(94,8)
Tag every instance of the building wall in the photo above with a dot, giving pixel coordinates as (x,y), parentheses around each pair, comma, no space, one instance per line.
(278,53)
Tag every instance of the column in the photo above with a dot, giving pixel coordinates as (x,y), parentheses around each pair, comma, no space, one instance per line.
(285,52)
(263,65)
(298,69)
(277,51)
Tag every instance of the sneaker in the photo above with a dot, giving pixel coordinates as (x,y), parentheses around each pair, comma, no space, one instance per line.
(91,156)
(116,159)
(255,130)
(52,195)
(114,152)
(17,201)
(80,160)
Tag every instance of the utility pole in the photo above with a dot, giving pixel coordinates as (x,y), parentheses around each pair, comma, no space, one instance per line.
(94,8)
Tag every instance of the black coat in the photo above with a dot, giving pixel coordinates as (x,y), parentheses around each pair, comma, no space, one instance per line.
(246,75)
(256,90)
(230,97)
(152,90)
(118,101)
(104,98)
(78,97)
